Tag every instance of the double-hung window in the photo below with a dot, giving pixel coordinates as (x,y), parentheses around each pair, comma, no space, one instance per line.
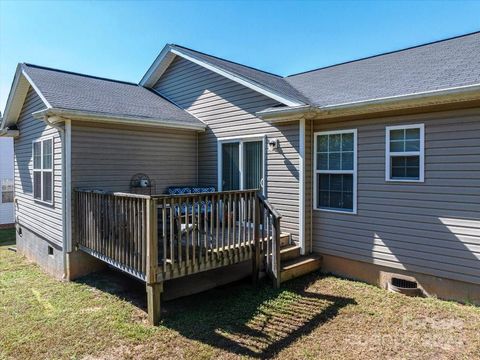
(7,191)
(404,157)
(335,183)
(43,170)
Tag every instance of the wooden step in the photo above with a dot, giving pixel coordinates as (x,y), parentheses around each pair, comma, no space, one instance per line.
(285,239)
(289,252)
(300,266)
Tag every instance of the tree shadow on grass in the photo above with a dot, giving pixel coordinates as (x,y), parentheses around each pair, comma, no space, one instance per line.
(238,318)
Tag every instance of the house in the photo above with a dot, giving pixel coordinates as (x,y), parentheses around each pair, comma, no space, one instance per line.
(7,214)
(373,164)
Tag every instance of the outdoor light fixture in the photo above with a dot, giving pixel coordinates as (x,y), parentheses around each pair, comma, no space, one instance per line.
(273,144)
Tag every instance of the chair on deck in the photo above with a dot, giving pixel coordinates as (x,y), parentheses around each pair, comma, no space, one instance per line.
(187,209)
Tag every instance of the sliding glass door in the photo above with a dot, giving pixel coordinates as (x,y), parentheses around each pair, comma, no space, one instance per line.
(242,164)
(253,165)
(230,166)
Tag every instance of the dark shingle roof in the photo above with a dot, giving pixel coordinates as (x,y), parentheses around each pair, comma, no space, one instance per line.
(262,78)
(440,65)
(72,91)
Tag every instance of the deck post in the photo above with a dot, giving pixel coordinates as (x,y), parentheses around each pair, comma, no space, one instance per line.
(276,253)
(154,288)
(256,241)
(154,292)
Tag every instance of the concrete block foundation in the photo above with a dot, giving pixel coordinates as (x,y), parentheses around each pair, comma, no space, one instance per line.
(441,288)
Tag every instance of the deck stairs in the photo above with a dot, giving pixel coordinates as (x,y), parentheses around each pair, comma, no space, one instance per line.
(293,264)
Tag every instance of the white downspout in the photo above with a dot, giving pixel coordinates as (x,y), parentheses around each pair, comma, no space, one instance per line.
(301,185)
(65,136)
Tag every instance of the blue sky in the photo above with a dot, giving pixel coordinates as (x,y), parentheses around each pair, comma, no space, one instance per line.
(121,39)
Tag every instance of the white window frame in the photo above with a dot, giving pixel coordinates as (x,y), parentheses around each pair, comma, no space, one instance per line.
(420,154)
(7,182)
(353,172)
(42,170)
(241,140)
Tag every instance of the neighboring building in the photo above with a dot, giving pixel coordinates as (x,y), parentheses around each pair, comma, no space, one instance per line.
(373,163)
(7,211)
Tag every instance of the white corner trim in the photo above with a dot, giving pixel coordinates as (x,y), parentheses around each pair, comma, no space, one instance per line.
(68,185)
(301,209)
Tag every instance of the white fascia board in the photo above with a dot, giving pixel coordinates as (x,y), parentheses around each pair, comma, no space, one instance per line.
(37,90)
(159,66)
(440,96)
(17,95)
(115,119)
(286,112)
(161,62)
(249,84)
(411,96)
(9,133)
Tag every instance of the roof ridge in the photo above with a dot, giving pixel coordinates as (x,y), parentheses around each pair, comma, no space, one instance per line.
(230,61)
(80,74)
(385,53)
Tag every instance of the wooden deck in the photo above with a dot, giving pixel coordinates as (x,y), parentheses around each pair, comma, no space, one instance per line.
(158,238)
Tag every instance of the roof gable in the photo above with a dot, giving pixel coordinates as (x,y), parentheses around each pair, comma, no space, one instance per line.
(18,92)
(270,85)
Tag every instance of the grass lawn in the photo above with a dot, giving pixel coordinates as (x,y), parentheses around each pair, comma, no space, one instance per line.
(315,317)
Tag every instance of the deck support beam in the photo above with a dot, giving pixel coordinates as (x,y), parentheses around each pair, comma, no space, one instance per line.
(154,292)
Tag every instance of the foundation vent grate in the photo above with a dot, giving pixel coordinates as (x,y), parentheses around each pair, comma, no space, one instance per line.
(404,284)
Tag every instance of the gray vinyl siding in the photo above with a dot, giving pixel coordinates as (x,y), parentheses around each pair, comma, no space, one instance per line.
(431,227)
(106,157)
(42,219)
(228,109)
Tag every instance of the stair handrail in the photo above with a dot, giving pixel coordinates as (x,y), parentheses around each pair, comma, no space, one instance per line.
(264,250)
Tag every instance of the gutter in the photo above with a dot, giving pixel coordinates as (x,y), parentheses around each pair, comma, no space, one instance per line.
(9,133)
(110,118)
(450,95)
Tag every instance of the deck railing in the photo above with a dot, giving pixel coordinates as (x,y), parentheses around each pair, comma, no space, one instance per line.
(113,227)
(157,238)
(268,242)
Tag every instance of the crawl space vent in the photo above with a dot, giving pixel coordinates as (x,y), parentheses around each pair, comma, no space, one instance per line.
(406,287)
(402,283)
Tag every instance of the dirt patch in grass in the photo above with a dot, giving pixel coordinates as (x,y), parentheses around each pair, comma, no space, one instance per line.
(315,317)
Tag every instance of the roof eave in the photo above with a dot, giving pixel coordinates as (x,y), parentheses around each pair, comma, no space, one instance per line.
(114,119)
(407,101)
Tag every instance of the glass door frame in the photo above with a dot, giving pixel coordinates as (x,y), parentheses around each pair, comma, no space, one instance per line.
(241,140)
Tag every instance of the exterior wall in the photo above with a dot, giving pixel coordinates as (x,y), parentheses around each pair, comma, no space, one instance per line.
(429,228)
(107,156)
(7,211)
(439,287)
(41,219)
(35,248)
(41,224)
(229,110)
